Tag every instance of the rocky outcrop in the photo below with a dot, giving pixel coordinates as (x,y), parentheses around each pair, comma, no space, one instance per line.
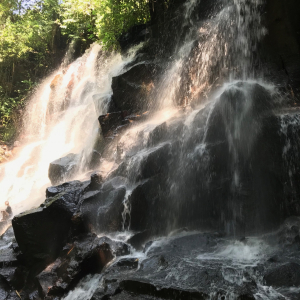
(131,90)
(110,122)
(68,187)
(81,256)
(63,168)
(102,210)
(43,243)
(159,277)
(88,255)
(284,275)
(280,50)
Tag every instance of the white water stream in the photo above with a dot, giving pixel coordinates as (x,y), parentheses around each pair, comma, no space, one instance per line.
(58,121)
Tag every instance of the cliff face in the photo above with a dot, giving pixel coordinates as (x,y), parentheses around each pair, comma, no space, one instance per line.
(280,49)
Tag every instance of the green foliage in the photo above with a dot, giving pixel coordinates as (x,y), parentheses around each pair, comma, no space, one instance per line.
(8,133)
(8,104)
(31,29)
(103,20)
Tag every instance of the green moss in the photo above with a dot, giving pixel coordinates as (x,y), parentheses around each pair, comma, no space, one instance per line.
(51,200)
(46,204)
(29,212)
(8,133)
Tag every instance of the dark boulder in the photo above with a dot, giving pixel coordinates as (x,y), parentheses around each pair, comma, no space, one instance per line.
(131,89)
(42,232)
(146,288)
(148,210)
(87,255)
(95,183)
(63,169)
(110,122)
(286,275)
(158,134)
(102,210)
(154,161)
(238,111)
(139,239)
(129,263)
(72,186)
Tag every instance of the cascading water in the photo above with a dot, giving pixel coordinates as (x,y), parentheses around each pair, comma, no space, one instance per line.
(61,118)
(205,164)
(226,47)
(224,53)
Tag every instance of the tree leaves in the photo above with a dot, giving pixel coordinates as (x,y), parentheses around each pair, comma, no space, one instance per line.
(26,34)
(103,20)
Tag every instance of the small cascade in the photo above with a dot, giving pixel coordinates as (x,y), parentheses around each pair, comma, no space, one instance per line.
(61,118)
(226,46)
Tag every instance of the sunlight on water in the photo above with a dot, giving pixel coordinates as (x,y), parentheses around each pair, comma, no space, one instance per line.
(85,289)
(61,118)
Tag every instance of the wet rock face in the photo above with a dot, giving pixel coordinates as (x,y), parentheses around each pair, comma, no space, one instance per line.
(209,174)
(72,186)
(148,208)
(236,115)
(102,210)
(218,177)
(179,267)
(280,50)
(63,168)
(111,121)
(135,35)
(285,275)
(241,133)
(86,255)
(42,232)
(130,90)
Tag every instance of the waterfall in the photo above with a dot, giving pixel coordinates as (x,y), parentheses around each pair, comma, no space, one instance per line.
(197,186)
(210,63)
(60,118)
(226,47)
